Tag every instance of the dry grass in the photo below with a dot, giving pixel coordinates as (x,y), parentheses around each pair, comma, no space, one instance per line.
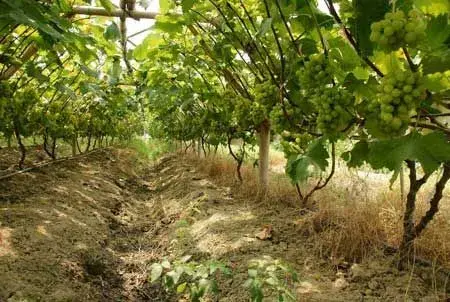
(356,216)
(223,171)
(345,232)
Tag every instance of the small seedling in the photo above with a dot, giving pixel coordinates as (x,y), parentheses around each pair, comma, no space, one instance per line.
(269,277)
(191,278)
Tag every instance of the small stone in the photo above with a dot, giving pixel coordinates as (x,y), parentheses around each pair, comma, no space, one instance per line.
(340,284)
(306,287)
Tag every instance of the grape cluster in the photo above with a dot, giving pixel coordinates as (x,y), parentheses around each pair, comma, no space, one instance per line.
(258,113)
(332,104)
(397,29)
(282,117)
(399,96)
(316,71)
(294,143)
(266,93)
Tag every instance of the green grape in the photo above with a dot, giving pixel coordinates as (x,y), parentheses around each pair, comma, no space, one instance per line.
(399,15)
(266,93)
(407,88)
(396,123)
(388,31)
(410,37)
(388,88)
(410,27)
(396,93)
(330,103)
(387,108)
(397,25)
(397,30)
(413,14)
(315,72)
(416,93)
(386,116)
(399,96)
(278,118)
(375,27)
(400,77)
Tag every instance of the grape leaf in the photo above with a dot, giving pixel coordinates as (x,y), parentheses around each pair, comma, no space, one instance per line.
(366,12)
(429,150)
(150,42)
(165,6)
(300,166)
(437,82)
(318,154)
(434,7)
(439,61)
(346,56)
(107,5)
(357,156)
(265,26)
(307,46)
(112,32)
(306,19)
(156,272)
(187,4)
(438,31)
(166,24)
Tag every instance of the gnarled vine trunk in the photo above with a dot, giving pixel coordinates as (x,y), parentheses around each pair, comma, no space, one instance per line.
(264,145)
(74,145)
(238,157)
(23,150)
(88,142)
(411,230)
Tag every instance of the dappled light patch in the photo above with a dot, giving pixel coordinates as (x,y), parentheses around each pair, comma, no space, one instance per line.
(41,229)
(6,248)
(59,213)
(61,190)
(85,196)
(307,287)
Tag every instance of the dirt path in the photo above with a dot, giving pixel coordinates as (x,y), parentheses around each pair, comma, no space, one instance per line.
(88,230)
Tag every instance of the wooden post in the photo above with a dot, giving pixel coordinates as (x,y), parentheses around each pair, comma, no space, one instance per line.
(264,145)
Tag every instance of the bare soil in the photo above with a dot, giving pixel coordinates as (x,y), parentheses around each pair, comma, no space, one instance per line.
(88,229)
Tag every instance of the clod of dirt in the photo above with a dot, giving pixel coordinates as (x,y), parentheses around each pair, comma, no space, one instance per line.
(94,264)
(358,273)
(265,233)
(340,283)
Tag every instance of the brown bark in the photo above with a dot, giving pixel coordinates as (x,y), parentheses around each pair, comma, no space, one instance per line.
(409,234)
(22,149)
(434,202)
(74,146)
(239,159)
